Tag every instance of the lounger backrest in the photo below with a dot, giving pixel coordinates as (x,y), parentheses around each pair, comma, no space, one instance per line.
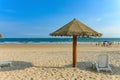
(102,60)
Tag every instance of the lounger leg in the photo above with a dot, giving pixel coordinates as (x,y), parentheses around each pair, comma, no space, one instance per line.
(11,64)
(97,69)
(110,69)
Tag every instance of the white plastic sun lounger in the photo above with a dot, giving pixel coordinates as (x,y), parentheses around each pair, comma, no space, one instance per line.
(6,63)
(102,63)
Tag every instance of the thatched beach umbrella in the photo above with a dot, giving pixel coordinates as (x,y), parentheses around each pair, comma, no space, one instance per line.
(0,35)
(75,28)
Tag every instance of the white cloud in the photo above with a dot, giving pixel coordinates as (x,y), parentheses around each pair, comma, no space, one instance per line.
(98,19)
(112,14)
(110,31)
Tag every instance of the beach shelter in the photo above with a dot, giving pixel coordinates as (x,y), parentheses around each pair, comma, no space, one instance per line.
(75,28)
(0,35)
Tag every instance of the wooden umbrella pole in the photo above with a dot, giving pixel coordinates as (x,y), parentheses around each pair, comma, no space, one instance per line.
(74,50)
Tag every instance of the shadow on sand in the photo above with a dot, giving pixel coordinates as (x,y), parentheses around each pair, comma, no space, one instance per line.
(17,65)
(87,66)
(83,66)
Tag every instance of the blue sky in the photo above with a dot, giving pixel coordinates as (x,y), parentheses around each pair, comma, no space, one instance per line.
(38,18)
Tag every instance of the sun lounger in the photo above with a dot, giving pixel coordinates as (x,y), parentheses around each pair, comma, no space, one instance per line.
(102,63)
(7,63)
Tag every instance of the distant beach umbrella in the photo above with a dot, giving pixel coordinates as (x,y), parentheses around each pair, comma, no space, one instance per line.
(75,28)
(106,41)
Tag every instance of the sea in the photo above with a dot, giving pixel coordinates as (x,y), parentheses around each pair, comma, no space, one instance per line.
(57,40)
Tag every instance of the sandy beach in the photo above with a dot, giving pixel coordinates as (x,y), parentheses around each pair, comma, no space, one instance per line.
(54,62)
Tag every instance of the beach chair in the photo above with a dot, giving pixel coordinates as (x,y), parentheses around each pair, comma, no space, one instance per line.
(102,63)
(6,63)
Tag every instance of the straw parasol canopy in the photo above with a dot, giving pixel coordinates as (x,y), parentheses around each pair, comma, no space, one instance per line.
(0,35)
(76,28)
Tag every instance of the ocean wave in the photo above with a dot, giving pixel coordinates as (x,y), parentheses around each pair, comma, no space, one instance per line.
(56,40)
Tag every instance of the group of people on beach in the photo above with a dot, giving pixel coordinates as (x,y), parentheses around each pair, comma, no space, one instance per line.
(104,43)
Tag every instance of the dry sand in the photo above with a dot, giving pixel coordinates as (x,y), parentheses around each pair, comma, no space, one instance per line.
(54,62)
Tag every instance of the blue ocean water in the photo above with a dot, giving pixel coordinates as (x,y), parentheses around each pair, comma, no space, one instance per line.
(55,40)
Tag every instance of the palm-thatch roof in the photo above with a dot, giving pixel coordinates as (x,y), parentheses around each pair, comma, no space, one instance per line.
(75,28)
(0,35)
